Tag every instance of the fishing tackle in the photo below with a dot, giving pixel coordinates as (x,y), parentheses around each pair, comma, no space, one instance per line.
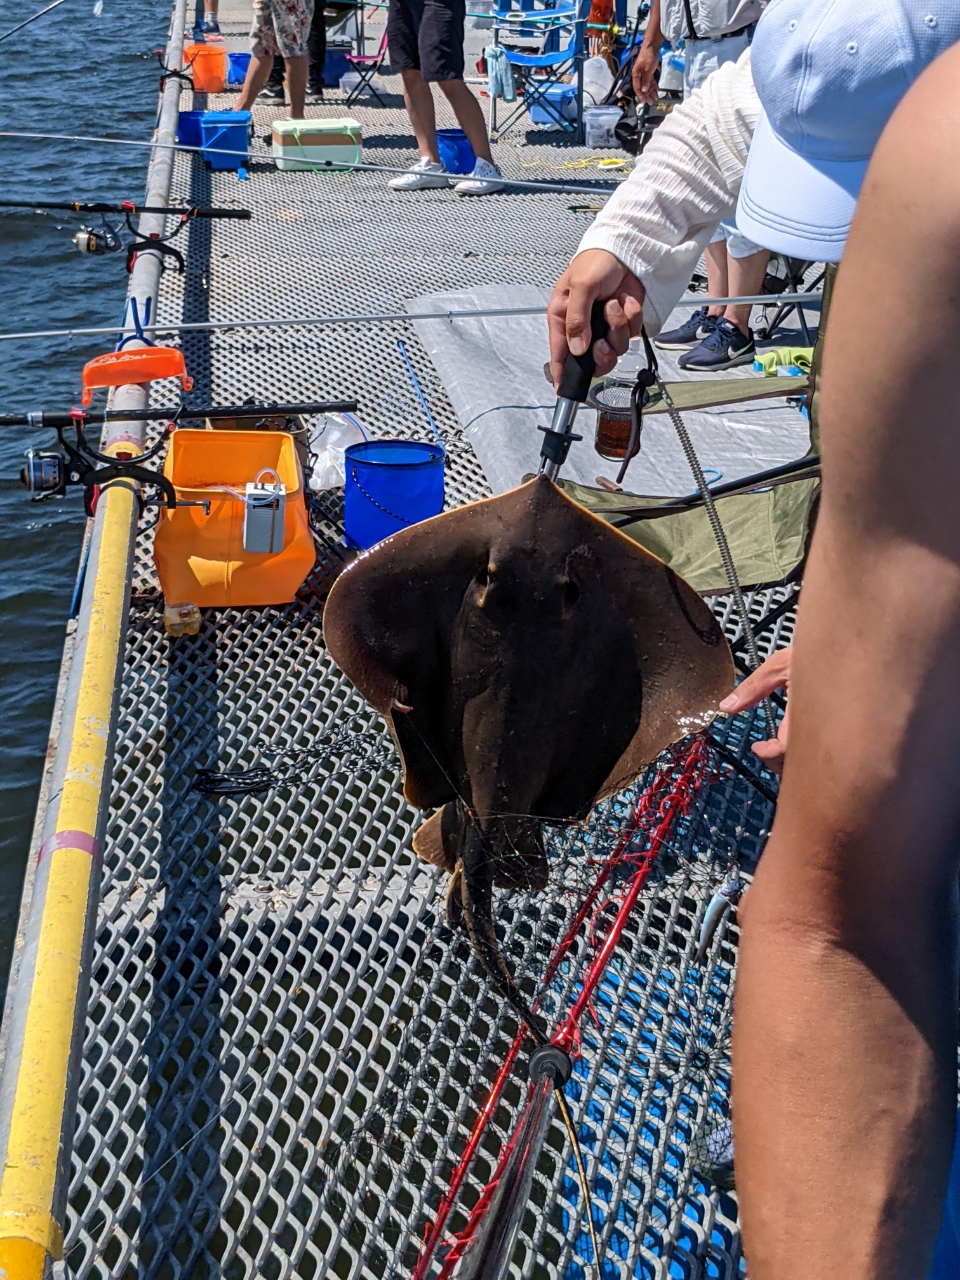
(47,473)
(723,900)
(107,239)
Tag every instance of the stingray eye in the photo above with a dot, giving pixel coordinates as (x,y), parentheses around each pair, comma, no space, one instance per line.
(571,593)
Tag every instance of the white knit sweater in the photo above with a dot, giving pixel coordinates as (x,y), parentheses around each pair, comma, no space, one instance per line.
(659,221)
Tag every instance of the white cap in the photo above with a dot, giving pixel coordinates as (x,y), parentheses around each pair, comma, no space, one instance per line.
(829,74)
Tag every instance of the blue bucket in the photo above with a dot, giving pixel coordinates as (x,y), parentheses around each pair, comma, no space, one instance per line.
(237,70)
(455,151)
(225,131)
(188,129)
(390,485)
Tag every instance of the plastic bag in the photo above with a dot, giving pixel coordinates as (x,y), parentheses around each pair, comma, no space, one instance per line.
(597,81)
(333,433)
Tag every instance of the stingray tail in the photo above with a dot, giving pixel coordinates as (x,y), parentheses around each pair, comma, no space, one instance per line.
(474,876)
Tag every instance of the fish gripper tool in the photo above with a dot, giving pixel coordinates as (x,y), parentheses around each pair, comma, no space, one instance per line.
(572,392)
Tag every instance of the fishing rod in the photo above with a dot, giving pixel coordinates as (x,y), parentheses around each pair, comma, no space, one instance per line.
(332,166)
(107,238)
(20,26)
(378,317)
(125,206)
(46,420)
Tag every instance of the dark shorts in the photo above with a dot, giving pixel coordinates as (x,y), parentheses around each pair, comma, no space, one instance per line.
(427,36)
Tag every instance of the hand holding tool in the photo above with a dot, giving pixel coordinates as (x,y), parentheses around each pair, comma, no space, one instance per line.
(572,392)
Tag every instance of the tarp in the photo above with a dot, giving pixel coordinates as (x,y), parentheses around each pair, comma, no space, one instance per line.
(767,533)
(492,369)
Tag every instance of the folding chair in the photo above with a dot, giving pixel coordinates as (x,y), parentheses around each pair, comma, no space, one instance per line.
(792,282)
(367,65)
(543,71)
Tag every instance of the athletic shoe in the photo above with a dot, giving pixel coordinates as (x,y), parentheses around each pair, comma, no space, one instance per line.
(425,173)
(272,93)
(691,334)
(315,93)
(484,180)
(207,31)
(725,348)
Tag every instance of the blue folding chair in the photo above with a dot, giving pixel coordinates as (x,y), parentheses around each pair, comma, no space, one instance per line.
(563,53)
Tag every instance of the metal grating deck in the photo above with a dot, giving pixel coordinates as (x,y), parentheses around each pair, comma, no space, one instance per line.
(285,1048)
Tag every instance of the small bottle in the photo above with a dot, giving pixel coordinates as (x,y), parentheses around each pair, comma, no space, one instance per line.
(181,619)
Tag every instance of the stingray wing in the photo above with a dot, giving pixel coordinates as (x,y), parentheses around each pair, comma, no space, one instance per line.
(387,624)
(684,660)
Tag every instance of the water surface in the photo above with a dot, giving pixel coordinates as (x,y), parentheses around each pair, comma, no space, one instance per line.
(69,72)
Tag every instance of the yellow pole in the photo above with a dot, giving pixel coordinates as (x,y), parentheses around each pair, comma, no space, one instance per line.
(28,1229)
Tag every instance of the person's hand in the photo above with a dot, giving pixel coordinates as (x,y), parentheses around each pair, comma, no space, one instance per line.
(593,274)
(770,675)
(645,65)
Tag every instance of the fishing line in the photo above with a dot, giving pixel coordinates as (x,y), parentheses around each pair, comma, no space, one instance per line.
(20,27)
(332,166)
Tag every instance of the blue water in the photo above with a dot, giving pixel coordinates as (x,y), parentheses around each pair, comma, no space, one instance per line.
(68,72)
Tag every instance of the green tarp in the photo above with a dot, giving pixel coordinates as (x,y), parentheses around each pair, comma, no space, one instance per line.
(767,532)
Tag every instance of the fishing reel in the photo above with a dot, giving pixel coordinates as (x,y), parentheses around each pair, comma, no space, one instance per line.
(105,239)
(98,241)
(44,473)
(48,473)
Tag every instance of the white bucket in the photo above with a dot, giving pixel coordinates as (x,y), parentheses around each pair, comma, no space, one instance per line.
(599,124)
(350,79)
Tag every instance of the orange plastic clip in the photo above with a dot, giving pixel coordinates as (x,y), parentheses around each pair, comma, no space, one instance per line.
(120,368)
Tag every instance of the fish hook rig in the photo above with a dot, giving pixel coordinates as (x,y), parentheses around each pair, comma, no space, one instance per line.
(48,472)
(107,239)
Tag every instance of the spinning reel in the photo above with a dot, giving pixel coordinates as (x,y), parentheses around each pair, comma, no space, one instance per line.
(48,472)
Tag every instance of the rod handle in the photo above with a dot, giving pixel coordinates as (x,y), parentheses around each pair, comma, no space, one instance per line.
(578,371)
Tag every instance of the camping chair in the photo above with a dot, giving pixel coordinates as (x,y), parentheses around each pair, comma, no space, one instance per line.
(367,65)
(542,72)
(792,282)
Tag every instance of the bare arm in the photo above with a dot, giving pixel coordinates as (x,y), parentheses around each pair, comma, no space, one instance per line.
(648,57)
(644,245)
(845,1041)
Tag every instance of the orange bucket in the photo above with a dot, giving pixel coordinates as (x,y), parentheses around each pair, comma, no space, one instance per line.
(209,67)
(200,558)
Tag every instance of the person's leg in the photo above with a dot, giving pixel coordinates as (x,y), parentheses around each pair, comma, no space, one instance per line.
(744,276)
(258,71)
(275,79)
(317,49)
(469,116)
(291,20)
(263,49)
(715,256)
(296,69)
(419,103)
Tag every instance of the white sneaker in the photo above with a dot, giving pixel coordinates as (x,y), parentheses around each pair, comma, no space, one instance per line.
(425,173)
(484,180)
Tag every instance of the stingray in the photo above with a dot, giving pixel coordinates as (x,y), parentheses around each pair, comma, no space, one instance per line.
(530,660)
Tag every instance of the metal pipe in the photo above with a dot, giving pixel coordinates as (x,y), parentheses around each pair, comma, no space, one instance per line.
(47,1009)
(385,317)
(331,166)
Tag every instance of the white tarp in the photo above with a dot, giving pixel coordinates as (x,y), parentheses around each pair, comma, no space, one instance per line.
(492,369)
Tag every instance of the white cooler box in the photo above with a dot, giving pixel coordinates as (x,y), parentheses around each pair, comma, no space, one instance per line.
(304,144)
